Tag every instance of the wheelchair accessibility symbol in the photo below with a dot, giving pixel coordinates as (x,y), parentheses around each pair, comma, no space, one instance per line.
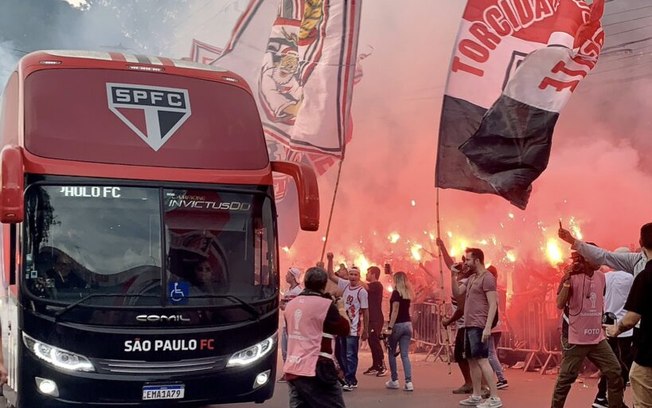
(178,292)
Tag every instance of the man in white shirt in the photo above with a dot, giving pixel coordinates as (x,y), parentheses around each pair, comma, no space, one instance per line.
(618,284)
(356,306)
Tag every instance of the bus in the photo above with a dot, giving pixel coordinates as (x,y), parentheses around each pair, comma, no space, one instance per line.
(139,234)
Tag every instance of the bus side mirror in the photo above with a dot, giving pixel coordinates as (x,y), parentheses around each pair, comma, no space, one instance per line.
(12,185)
(307,190)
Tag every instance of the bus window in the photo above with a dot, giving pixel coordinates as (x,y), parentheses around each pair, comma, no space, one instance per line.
(91,239)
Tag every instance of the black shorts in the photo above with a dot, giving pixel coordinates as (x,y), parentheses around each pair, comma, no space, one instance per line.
(475,348)
(458,351)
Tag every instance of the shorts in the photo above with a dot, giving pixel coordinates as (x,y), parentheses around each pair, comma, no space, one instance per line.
(458,350)
(474,347)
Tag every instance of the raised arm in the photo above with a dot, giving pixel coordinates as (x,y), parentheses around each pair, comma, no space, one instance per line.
(457,288)
(329,268)
(444,253)
(622,261)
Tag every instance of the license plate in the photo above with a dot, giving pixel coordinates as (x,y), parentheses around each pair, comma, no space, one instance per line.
(163,392)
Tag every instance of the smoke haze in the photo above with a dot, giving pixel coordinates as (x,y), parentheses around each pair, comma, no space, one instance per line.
(596,181)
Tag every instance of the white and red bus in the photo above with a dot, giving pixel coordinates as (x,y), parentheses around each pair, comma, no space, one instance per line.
(139,240)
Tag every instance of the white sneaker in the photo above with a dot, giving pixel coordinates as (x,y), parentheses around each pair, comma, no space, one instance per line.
(408,386)
(472,401)
(392,385)
(491,402)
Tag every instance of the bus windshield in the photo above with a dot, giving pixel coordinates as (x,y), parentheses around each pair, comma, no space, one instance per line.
(155,246)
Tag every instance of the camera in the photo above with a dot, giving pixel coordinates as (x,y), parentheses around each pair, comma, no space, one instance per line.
(609,318)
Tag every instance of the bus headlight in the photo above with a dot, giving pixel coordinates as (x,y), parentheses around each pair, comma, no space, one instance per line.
(252,354)
(57,357)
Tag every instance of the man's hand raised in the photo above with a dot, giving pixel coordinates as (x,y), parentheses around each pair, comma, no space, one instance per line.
(566,235)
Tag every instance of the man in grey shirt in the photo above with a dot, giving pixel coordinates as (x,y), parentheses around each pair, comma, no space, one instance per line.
(632,262)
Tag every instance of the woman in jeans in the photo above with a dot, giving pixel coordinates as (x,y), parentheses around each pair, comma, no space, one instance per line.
(400,330)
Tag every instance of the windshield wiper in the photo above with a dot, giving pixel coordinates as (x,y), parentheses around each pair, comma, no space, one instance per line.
(246,306)
(76,303)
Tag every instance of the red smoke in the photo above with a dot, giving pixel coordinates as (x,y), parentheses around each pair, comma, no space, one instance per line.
(597,175)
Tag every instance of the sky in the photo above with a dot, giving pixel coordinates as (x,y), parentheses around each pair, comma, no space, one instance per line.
(596,181)
(76,3)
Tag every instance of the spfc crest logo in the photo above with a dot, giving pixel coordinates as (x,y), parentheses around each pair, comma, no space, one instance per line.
(154,113)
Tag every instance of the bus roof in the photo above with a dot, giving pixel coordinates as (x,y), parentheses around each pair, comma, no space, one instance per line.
(162,118)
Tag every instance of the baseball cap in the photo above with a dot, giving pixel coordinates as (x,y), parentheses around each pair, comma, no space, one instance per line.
(296,272)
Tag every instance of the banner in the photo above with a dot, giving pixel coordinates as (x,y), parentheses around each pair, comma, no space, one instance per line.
(299,58)
(204,53)
(515,65)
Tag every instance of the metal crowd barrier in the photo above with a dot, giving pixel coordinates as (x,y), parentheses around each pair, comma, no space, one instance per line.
(532,332)
(428,332)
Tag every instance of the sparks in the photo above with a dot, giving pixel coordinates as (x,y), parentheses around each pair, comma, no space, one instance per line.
(575,228)
(511,256)
(394,237)
(413,203)
(286,249)
(415,249)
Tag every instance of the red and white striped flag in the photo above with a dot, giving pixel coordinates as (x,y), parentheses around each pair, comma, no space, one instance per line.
(515,65)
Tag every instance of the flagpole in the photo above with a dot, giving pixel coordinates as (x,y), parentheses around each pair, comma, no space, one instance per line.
(441,266)
(441,276)
(330,215)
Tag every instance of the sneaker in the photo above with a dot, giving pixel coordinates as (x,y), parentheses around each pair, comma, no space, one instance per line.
(491,402)
(392,385)
(472,401)
(408,386)
(600,403)
(382,372)
(465,389)
(501,385)
(347,387)
(282,379)
(371,371)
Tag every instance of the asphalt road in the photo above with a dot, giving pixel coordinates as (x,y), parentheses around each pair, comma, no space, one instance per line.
(433,385)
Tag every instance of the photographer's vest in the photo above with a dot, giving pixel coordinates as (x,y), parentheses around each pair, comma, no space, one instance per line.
(585,307)
(304,317)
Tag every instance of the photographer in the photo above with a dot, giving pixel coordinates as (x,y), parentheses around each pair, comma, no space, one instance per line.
(312,321)
(581,296)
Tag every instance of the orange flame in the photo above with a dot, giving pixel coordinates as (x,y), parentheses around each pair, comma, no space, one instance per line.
(553,252)
(415,249)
